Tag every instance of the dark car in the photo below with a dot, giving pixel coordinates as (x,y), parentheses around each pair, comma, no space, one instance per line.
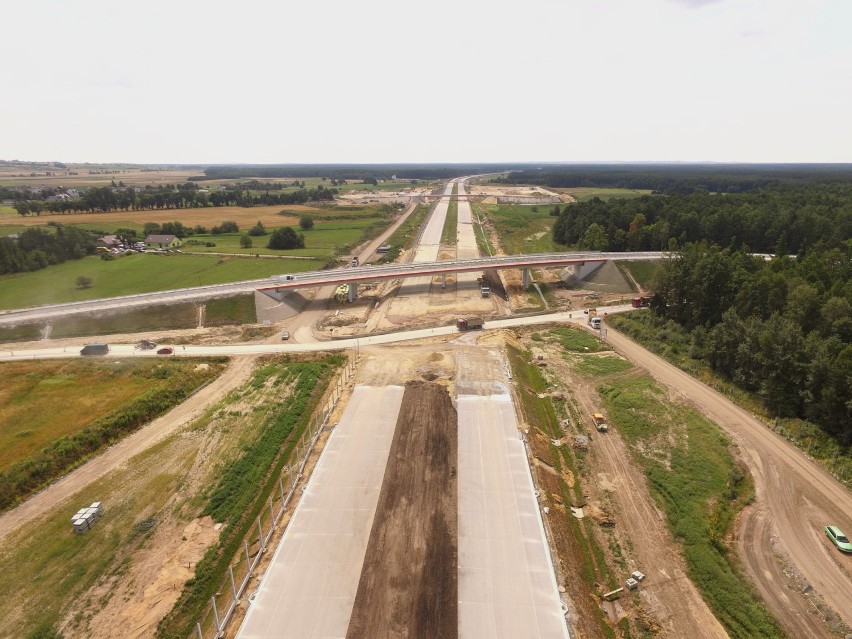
(95,349)
(166,350)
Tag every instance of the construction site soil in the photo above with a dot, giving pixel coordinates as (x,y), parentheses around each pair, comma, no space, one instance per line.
(409,585)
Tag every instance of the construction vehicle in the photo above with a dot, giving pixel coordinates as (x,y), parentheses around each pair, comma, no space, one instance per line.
(595,322)
(469,323)
(94,349)
(355,261)
(146,345)
(640,302)
(600,422)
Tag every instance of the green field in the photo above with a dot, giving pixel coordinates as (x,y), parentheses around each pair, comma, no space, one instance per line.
(450,230)
(522,229)
(137,274)
(7,211)
(642,272)
(587,193)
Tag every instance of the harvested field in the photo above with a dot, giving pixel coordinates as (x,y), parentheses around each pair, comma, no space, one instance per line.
(408,585)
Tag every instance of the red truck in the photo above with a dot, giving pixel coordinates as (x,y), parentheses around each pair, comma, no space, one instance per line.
(641,302)
(469,323)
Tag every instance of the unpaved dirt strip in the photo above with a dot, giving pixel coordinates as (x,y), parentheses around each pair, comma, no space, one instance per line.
(408,585)
(507,585)
(795,499)
(309,588)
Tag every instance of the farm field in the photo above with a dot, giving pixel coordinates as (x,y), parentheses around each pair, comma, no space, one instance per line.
(245,217)
(131,175)
(136,274)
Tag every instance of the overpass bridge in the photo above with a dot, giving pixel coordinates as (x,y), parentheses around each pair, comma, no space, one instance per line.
(278,286)
(363,274)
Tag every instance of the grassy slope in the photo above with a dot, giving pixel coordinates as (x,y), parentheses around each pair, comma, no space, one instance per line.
(136,274)
(522,229)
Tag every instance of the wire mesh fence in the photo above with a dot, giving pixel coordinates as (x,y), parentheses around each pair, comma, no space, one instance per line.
(242,568)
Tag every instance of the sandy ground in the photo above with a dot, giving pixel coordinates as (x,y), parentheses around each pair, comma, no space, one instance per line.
(618,493)
(783,528)
(409,586)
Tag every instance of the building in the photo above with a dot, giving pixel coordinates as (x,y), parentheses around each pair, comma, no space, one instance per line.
(109,241)
(162,241)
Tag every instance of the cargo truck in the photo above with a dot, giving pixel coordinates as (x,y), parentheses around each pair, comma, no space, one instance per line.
(595,322)
(95,349)
(600,422)
(469,323)
(641,302)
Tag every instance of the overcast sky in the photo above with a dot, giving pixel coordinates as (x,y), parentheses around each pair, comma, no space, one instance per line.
(185,81)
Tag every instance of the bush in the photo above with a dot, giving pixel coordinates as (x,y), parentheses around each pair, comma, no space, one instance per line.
(286,238)
(306,222)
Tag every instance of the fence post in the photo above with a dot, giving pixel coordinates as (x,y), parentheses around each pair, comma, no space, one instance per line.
(216,616)
(271,512)
(248,562)
(198,630)
(281,488)
(233,585)
(260,529)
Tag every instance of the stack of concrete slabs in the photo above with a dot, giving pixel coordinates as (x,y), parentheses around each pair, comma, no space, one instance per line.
(507,585)
(309,589)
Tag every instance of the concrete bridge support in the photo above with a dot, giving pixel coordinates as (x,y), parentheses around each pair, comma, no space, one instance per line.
(577,269)
(526,278)
(353,292)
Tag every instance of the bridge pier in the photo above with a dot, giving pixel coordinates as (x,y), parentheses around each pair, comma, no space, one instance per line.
(443,280)
(526,278)
(353,292)
(275,293)
(577,270)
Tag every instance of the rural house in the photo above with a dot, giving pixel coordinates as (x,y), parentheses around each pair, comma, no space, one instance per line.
(162,241)
(109,241)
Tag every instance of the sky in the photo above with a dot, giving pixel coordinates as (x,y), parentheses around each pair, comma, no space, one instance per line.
(203,82)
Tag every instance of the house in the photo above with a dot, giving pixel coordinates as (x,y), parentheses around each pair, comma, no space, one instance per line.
(109,241)
(162,241)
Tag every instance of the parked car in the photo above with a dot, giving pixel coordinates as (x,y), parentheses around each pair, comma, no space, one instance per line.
(838,538)
(166,350)
(285,335)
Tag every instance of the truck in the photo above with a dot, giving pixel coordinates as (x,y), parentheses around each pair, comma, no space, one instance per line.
(355,261)
(600,422)
(95,349)
(592,313)
(595,322)
(640,302)
(469,323)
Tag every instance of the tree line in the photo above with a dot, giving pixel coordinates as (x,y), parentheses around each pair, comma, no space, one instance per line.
(38,248)
(785,220)
(107,199)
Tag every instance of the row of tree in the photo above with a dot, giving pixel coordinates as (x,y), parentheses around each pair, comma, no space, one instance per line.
(785,220)
(781,328)
(106,199)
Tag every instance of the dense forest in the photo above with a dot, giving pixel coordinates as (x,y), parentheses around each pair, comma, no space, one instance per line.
(779,327)
(681,178)
(37,248)
(785,220)
(356,171)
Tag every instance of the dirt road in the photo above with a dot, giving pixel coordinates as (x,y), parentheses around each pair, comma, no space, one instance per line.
(237,373)
(409,586)
(795,499)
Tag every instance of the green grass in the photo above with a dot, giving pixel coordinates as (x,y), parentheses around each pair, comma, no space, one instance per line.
(449,232)
(148,318)
(577,339)
(22,333)
(230,310)
(12,229)
(642,272)
(7,211)
(522,229)
(56,414)
(694,480)
(587,193)
(136,274)
(595,366)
